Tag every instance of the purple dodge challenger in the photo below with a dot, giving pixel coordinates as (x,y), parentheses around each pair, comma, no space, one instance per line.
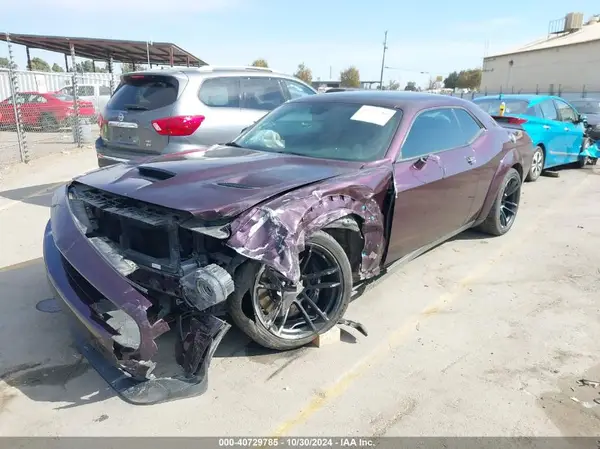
(273,230)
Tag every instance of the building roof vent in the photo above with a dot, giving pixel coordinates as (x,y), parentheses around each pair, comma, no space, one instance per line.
(594,19)
(573,21)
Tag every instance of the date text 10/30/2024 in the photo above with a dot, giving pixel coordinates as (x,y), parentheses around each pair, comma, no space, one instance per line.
(293,442)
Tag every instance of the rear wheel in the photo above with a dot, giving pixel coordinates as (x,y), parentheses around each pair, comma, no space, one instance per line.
(48,123)
(277,316)
(506,205)
(537,165)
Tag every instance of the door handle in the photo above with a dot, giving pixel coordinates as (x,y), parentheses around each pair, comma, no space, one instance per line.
(566,129)
(420,163)
(546,127)
(470,159)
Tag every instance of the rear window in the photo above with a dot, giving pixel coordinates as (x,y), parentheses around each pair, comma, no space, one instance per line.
(63,97)
(140,92)
(492,106)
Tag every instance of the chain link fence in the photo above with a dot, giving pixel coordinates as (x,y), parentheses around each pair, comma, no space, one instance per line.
(43,113)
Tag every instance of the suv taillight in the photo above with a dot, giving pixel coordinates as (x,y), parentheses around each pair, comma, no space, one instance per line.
(183,125)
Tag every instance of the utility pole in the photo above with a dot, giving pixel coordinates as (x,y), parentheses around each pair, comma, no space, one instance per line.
(330,73)
(383,61)
(148,43)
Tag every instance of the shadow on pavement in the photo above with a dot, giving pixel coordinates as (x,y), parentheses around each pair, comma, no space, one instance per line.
(39,195)
(38,355)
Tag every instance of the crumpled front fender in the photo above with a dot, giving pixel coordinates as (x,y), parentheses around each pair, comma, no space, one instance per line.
(274,233)
(591,151)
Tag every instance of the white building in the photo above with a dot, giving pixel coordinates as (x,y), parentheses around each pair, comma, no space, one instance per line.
(567,60)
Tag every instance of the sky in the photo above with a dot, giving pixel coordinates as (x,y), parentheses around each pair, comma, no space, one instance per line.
(435,37)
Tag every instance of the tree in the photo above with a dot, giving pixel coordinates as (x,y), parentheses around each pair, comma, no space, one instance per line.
(469,79)
(451,80)
(411,85)
(4,63)
(87,66)
(260,63)
(392,85)
(39,65)
(127,67)
(350,77)
(57,68)
(304,73)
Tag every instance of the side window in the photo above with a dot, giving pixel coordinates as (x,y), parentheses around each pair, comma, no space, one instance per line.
(297,90)
(37,99)
(432,131)
(261,93)
(566,112)
(104,90)
(548,110)
(469,126)
(220,92)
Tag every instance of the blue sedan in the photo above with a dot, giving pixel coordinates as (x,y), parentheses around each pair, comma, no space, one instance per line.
(556,128)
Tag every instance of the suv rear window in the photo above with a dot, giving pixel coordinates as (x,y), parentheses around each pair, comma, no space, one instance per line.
(145,92)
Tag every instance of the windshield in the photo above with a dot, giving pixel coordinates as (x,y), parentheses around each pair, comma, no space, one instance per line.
(342,131)
(492,106)
(587,107)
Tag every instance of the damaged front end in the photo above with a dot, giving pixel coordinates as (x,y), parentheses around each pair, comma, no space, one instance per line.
(130,272)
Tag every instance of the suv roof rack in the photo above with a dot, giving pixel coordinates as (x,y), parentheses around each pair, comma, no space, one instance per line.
(210,68)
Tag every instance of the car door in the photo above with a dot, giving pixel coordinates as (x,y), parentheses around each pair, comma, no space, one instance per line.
(573,130)
(29,109)
(223,118)
(434,186)
(553,134)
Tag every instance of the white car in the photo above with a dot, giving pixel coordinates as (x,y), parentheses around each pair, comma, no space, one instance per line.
(96,93)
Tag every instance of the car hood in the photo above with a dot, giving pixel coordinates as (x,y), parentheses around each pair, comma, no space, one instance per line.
(217,183)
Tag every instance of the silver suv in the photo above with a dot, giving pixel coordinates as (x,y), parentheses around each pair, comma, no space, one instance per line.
(167,111)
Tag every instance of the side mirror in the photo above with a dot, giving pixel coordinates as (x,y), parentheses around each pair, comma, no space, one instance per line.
(582,119)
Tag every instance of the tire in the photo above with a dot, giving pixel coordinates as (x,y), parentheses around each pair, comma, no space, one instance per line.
(537,165)
(48,123)
(493,224)
(242,303)
(583,161)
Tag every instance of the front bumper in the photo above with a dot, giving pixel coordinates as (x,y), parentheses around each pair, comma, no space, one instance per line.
(91,288)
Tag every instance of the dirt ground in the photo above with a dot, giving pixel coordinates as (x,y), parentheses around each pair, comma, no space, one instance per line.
(480,336)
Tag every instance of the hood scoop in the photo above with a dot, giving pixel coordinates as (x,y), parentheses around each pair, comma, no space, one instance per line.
(158,174)
(235,185)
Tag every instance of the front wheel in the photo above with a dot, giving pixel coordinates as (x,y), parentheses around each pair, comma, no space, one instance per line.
(503,213)
(537,165)
(278,315)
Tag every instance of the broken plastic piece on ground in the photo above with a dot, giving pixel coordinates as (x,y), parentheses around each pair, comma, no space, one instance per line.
(588,383)
(358,326)
(591,151)
(195,354)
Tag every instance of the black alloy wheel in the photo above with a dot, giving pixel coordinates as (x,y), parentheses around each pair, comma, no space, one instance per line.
(503,213)
(285,316)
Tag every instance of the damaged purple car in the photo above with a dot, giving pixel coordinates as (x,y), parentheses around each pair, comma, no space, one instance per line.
(273,230)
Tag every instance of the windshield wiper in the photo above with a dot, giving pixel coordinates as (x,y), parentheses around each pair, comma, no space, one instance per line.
(233,144)
(135,107)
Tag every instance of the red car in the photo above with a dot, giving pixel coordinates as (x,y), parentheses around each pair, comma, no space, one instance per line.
(48,111)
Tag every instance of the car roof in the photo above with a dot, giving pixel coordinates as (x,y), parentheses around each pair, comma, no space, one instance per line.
(523,97)
(389,99)
(205,70)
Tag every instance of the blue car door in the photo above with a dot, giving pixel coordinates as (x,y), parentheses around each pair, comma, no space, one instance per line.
(573,130)
(551,133)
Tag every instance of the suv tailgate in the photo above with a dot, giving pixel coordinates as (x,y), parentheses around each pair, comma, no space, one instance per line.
(138,101)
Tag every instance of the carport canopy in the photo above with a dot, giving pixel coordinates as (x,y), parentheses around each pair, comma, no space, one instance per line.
(134,52)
